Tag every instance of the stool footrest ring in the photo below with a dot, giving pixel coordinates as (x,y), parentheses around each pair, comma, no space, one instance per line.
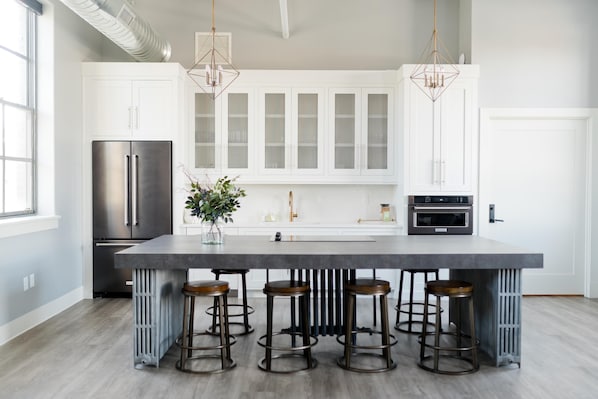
(250,310)
(342,363)
(262,363)
(312,342)
(341,340)
(230,364)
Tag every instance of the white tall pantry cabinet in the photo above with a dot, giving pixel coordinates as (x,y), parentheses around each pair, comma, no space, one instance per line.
(441,136)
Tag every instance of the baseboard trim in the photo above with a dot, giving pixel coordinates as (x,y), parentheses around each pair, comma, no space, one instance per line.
(37,316)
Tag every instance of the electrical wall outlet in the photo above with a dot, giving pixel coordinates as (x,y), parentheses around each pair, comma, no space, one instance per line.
(32,280)
(25,283)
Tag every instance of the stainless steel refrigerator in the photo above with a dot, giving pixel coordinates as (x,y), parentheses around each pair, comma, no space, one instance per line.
(132,202)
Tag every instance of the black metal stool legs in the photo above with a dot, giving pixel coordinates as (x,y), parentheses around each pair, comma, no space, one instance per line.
(243,309)
(296,290)
(453,361)
(406,326)
(353,348)
(198,357)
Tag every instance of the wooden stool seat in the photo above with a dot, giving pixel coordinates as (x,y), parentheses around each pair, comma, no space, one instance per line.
(205,287)
(454,361)
(366,286)
(241,309)
(374,287)
(191,352)
(452,288)
(293,289)
(286,288)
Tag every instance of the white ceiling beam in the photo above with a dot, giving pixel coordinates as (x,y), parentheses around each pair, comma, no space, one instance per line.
(284,19)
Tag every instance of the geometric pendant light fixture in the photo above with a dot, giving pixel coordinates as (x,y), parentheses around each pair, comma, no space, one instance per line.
(436,71)
(212,71)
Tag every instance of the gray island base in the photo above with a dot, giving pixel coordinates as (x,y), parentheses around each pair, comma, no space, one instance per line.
(160,269)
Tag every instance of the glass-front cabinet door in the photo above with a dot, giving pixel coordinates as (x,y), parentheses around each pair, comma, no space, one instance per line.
(237,126)
(377,132)
(291,123)
(308,131)
(206,140)
(344,134)
(223,133)
(276,131)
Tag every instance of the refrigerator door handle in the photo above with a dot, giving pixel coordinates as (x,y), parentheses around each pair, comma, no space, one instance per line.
(126,179)
(134,189)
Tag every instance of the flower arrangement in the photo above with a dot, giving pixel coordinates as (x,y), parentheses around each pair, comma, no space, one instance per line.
(213,203)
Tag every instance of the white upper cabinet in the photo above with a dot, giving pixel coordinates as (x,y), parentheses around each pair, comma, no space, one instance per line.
(238,121)
(378,132)
(361,139)
(130,101)
(441,136)
(297,127)
(223,130)
(344,134)
(291,126)
(207,138)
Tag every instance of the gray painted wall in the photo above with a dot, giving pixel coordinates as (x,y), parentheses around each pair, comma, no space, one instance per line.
(55,256)
(536,53)
(324,34)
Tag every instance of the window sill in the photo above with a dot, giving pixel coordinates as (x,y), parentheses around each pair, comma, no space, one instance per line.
(25,225)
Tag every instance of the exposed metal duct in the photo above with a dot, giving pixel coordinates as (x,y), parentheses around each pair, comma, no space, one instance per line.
(117,20)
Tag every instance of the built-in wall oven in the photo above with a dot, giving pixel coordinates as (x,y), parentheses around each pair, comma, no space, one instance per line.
(440,214)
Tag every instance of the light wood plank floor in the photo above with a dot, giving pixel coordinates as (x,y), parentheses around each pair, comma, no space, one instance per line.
(86,352)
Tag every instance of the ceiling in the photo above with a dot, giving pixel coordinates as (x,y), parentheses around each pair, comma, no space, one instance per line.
(323,34)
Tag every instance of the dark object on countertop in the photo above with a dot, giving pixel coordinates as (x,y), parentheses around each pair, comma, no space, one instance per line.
(278,236)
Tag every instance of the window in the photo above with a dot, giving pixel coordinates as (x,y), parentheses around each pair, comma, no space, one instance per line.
(17,107)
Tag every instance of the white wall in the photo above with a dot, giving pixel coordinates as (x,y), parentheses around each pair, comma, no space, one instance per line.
(324,34)
(541,53)
(536,53)
(54,256)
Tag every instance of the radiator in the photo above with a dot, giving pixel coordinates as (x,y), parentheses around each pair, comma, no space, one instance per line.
(497,299)
(158,313)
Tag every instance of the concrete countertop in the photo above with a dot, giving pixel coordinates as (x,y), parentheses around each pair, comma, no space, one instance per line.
(394,252)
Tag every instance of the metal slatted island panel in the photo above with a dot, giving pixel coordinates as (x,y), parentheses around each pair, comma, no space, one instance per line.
(493,267)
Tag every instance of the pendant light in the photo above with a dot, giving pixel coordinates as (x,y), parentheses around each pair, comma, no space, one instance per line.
(435,71)
(212,72)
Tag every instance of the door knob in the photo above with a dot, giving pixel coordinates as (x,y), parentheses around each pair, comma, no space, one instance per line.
(492,219)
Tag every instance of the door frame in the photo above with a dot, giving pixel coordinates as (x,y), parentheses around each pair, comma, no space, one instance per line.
(487,115)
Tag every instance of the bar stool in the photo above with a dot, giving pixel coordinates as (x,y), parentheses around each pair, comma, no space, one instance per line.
(244,309)
(292,289)
(205,288)
(364,286)
(406,326)
(457,290)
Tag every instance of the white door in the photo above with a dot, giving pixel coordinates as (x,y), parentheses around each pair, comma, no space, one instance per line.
(533,168)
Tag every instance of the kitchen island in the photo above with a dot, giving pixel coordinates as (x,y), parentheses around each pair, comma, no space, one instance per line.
(160,269)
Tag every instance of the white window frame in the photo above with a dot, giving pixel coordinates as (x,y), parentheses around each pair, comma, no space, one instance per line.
(29,220)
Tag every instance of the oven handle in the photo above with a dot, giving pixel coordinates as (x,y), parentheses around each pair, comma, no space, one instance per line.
(437,208)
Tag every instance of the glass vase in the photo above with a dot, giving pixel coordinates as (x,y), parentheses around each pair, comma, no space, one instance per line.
(212,232)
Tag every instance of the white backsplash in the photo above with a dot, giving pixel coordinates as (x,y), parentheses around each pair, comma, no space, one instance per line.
(315,203)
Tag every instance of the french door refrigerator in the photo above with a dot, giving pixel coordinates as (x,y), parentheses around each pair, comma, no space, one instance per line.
(132,202)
